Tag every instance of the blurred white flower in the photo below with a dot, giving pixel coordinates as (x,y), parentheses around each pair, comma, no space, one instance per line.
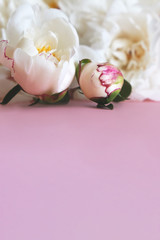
(87,17)
(7,7)
(150,4)
(83,5)
(133,45)
(39,50)
(127,34)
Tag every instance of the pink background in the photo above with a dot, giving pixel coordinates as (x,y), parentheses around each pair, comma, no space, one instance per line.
(75,172)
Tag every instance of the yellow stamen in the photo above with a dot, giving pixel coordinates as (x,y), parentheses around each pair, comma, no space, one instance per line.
(47,49)
(52,3)
(54,55)
(44,49)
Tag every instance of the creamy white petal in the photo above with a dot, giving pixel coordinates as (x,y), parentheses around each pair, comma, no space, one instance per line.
(66,74)
(28,46)
(89,53)
(50,14)
(34,74)
(37,75)
(19,23)
(67,35)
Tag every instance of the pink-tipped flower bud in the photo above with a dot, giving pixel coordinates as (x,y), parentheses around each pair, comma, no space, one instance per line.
(101,83)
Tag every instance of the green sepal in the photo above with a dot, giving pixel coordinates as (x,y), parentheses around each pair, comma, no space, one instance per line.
(124,93)
(65,99)
(58,98)
(80,66)
(110,106)
(112,96)
(106,100)
(11,94)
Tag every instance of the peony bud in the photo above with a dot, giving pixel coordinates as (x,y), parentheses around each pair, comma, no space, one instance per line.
(101,83)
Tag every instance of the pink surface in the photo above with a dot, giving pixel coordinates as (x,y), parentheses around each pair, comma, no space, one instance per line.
(74,172)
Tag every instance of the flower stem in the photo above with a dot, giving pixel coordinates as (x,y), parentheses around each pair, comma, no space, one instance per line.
(11,94)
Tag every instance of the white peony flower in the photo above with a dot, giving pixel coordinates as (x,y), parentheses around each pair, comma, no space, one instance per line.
(86,16)
(127,35)
(134,46)
(39,50)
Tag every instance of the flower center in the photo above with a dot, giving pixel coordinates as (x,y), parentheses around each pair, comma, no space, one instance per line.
(128,55)
(52,3)
(44,49)
(48,50)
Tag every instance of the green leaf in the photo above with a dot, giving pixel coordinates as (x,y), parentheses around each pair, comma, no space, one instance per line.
(103,106)
(11,94)
(79,67)
(84,61)
(110,106)
(124,93)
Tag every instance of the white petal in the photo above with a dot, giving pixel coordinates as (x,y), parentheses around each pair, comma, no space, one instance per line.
(66,75)
(51,14)
(37,75)
(28,46)
(47,39)
(20,22)
(34,74)
(66,33)
(90,53)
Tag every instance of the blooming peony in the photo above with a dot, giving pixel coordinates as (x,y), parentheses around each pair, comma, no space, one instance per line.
(39,50)
(126,34)
(134,46)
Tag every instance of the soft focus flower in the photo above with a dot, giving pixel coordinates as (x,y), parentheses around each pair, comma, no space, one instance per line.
(39,50)
(127,34)
(101,82)
(7,7)
(87,17)
(134,46)
(83,5)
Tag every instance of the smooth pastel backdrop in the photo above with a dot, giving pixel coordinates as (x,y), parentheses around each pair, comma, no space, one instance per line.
(74,172)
